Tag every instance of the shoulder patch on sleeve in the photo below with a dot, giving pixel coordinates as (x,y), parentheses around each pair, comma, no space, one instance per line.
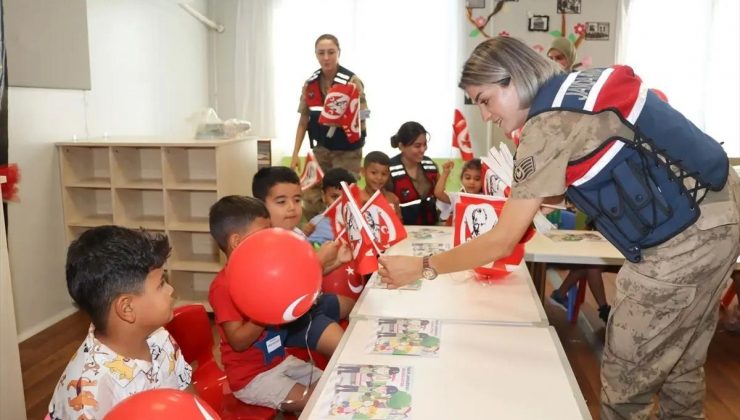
(523,168)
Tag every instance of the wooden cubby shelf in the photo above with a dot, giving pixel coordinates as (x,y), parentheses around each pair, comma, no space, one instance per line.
(165,186)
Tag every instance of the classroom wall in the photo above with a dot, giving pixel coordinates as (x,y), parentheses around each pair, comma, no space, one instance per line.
(149,73)
(513,18)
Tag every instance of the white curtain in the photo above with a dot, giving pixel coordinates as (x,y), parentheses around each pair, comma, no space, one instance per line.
(405,52)
(254,66)
(691,51)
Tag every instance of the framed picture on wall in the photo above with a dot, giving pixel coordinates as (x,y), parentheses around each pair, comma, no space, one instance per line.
(475,4)
(569,7)
(539,23)
(597,31)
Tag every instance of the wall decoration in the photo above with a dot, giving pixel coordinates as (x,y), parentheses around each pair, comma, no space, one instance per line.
(597,31)
(480,22)
(576,37)
(569,7)
(539,23)
(475,4)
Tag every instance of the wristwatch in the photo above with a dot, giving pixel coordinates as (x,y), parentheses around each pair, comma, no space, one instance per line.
(427,271)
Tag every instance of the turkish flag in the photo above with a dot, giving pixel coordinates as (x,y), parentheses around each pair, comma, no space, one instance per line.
(344,280)
(383,221)
(477,214)
(461,137)
(358,234)
(342,109)
(9,189)
(335,211)
(493,185)
(312,173)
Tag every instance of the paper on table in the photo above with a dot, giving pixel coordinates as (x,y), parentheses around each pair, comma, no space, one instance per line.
(407,337)
(369,392)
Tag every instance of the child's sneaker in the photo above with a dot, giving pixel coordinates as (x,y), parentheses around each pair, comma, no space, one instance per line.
(559,300)
(604,312)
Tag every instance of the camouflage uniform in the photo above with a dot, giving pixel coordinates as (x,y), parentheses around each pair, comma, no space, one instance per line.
(666,307)
(348,159)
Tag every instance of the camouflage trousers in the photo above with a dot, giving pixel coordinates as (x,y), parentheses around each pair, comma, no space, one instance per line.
(350,160)
(661,324)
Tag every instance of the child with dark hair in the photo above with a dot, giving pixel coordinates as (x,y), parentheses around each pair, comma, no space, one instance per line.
(115,275)
(376,171)
(280,189)
(256,371)
(319,228)
(471,180)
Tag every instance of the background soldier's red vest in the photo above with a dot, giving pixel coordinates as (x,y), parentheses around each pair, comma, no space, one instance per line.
(315,101)
(415,210)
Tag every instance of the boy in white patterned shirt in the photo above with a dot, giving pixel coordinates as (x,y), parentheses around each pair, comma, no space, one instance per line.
(115,275)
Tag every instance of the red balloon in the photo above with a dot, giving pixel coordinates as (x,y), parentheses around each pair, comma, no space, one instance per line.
(274,276)
(163,403)
(345,281)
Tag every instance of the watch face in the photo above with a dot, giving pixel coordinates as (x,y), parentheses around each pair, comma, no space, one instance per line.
(429,273)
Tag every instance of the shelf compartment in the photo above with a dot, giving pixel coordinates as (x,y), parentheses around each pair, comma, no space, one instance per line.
(85,166)
(188,210)
(139,209)
(137,167)
(190,168)
(194,251)
(191,287)
(264,154)
(88,207)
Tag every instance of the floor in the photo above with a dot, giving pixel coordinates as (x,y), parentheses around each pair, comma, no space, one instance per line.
(44,356)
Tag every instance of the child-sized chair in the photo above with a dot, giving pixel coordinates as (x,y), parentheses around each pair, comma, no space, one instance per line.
(191,328)
(729,295)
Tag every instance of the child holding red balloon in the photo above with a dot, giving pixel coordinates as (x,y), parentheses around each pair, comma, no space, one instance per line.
(253,354)
(280,189)
(115,275)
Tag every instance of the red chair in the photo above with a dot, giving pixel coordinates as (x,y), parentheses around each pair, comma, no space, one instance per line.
(729,295)
(191,328)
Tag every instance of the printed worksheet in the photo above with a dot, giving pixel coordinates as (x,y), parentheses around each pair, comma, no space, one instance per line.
(407,337)
(370,392)
(419,249)
(375,283)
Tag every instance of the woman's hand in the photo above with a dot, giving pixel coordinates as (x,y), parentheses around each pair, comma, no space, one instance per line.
(295,163)
(399,270)
(447,167)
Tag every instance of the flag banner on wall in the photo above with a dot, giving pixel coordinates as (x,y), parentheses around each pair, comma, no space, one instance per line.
(461,136)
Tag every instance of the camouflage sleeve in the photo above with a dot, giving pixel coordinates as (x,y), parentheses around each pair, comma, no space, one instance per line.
(302,106)
(356,80)
(541,158)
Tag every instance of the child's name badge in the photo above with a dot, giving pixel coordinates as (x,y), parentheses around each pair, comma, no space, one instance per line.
(273,344)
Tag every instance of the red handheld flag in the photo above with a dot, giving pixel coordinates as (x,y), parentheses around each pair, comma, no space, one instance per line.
(312,173)
(358,235)
(383,221)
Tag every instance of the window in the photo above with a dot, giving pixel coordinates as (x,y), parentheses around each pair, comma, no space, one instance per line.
(406,53)
(691,51)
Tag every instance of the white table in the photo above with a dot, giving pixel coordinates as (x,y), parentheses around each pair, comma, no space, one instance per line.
(455,297)
(541,250)
(482,371)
